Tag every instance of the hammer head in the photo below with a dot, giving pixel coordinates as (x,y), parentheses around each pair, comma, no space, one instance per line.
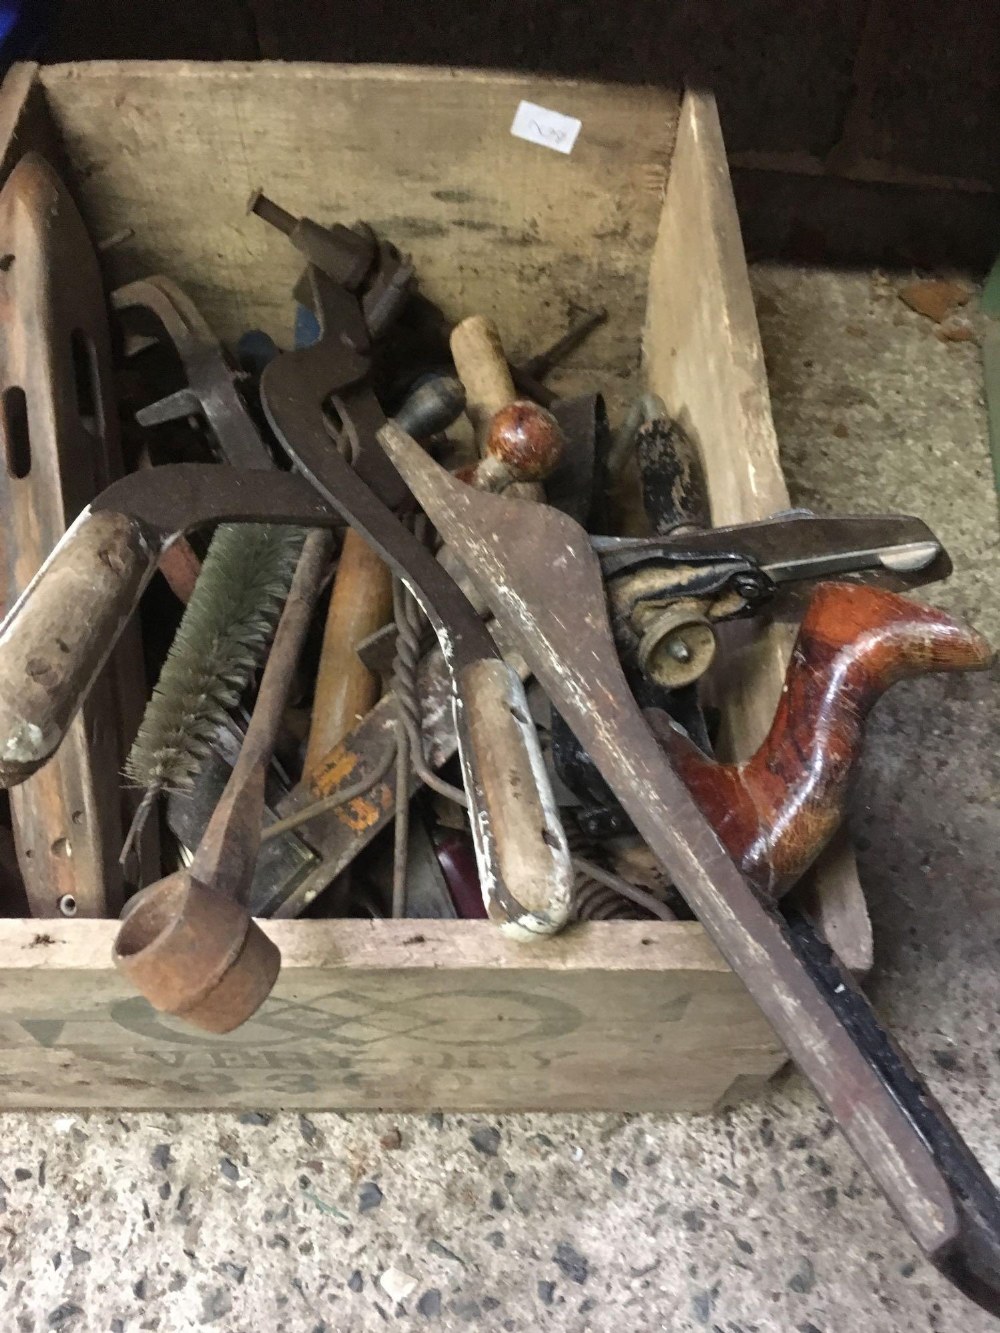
(196,954)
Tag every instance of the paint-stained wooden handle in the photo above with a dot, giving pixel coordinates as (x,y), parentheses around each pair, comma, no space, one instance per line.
(524,861)
(345,689)
(776,812)
(60,632)
(482,367)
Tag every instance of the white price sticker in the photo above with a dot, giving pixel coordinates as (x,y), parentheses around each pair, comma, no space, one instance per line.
(551,129)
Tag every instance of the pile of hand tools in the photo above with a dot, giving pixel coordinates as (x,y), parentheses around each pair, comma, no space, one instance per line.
(405,665)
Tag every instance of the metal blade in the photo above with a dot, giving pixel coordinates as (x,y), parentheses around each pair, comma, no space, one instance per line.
(536,569)
(899,549)
(179,497)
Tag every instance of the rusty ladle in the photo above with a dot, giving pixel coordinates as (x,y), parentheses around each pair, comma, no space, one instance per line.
(188,942)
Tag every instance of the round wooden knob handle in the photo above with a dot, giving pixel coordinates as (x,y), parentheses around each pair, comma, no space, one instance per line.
(524,443)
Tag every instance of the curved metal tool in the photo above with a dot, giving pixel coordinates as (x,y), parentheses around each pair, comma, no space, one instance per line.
(60,632)
(211,381)
(524,862)
(886,1112)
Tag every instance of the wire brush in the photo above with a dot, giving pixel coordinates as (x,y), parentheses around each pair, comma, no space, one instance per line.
(222,638)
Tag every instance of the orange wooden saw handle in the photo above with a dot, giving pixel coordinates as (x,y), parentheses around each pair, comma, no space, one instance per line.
(777,811)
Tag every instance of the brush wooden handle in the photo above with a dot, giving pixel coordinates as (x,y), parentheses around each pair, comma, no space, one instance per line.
(345,689)
(524,864)
(777,811)
(61,631)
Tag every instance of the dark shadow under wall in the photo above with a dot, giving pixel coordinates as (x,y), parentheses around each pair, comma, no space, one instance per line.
(857,129)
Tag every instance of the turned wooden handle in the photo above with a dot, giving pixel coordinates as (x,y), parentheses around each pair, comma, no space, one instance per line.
(61,631)
(524,444)
(361,603)
(482,367)
(519,442)
(777,811)
(523,858)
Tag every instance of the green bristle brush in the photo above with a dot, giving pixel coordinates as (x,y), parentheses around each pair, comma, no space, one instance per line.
(222,638)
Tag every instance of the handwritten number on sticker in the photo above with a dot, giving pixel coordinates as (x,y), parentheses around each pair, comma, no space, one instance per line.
(550,132)
(550,129)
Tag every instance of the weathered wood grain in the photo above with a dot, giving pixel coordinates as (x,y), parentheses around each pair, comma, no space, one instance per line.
(703,356)
(614,1016)
(609,1016)
(424,155)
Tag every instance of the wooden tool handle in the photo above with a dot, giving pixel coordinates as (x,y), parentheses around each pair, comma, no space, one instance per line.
(519,442)
(524,861)
(60,632)
(777,811)
(482,367)
(524,443)
(345,689)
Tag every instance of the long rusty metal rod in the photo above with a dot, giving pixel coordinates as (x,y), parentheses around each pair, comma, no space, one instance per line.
(233,832)
(188,942)
(918,1158)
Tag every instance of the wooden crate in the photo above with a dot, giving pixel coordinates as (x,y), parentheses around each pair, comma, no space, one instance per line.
(639,217)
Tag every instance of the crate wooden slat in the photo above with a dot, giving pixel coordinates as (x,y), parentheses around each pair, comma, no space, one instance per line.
(386,1014)
(640,218)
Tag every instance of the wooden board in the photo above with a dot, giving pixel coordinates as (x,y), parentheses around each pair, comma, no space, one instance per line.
(609,1016)
(425,155)
(613,1016)
(703,356)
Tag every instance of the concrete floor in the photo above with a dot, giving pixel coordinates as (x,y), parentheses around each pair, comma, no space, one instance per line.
(754,1221)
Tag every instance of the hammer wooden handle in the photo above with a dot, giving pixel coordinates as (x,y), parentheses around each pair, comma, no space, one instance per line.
(482,367)
(345,689)
(520,442)
(61,630)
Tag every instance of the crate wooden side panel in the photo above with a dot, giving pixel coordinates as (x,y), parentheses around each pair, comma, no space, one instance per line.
(612,1016)
(172,150)
(704,357)
(25,121)
(616,1016)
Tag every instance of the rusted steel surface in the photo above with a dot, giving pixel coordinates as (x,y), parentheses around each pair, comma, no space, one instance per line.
(189,943)
(211,381)
(520,845)
(916,1155)
(338,835)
